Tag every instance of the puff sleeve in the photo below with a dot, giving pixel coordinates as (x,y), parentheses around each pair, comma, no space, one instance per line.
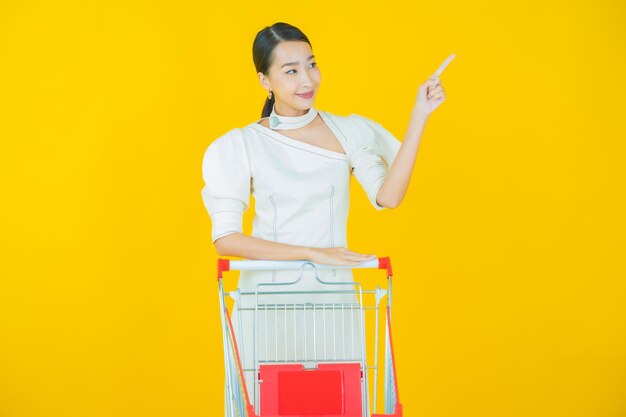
(226,191)
(372,150)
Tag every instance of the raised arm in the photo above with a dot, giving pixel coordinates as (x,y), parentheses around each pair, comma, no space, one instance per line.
(430,95)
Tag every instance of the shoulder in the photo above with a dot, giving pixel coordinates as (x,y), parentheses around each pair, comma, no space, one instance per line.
(362,123)
(353,122)
(227,145)
(367,136)
(228,138)
(347,123)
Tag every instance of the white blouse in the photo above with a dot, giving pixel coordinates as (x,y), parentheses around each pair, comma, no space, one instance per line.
(301,190)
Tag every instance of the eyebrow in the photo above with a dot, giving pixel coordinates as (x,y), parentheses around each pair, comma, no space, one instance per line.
(294,63)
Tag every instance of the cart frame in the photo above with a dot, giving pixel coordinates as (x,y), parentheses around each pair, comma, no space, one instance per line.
(237,398)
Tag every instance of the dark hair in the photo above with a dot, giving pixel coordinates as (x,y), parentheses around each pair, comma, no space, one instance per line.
(263,48)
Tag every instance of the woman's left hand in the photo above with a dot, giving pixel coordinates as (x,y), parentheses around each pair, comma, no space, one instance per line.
(430,94)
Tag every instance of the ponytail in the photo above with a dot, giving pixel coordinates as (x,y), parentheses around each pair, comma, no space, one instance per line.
(269,105)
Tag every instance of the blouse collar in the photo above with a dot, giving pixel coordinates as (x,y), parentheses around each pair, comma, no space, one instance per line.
(307,146)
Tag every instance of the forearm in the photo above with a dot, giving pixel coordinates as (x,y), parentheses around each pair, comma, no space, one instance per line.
(249,247)
(396,183)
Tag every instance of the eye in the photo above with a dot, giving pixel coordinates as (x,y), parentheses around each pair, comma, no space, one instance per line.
(312,63)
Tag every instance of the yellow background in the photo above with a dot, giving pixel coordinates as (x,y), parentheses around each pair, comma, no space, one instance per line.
(508,250)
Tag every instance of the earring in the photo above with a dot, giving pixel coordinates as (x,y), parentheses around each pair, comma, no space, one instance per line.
(270,96)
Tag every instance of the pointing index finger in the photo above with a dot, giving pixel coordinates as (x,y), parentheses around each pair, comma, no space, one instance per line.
(443,66)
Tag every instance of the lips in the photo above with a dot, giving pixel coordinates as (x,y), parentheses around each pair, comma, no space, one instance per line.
(306,95)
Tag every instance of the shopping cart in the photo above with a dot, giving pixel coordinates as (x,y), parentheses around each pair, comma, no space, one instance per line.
(309,358)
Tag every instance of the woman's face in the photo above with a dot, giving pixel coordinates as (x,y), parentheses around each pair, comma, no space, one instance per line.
(292,73)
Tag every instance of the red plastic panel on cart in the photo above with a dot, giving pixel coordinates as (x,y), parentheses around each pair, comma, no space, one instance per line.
(313,392)
(331,390)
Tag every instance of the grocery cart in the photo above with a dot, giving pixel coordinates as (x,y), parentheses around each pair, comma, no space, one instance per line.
(317,357)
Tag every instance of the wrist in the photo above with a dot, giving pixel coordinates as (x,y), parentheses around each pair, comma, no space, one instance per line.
(307,253)
(419,116)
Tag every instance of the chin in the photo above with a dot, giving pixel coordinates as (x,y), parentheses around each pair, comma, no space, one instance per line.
(306,106)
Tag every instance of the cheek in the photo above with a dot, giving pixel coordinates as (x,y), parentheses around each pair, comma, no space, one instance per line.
(317,76)
(288,84)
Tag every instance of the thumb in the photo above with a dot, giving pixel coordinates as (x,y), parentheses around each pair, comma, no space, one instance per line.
(433,81)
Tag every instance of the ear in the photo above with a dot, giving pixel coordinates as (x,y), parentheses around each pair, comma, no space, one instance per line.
(264,81)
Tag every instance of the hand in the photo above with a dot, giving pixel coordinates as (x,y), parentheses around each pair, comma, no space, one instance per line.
(337,256)
(430,94)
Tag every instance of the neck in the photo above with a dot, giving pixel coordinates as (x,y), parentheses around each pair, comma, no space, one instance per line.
(281,121)
(288,112)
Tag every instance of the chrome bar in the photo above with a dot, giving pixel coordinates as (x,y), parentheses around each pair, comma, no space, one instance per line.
(325,344)
(267,336)
(285,329)
(314,334)
(251,293)
(318,304)
(304,327)
(254,264)
(371,368)
(343,333)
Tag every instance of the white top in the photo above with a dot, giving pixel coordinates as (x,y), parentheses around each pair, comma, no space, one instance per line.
(301,190)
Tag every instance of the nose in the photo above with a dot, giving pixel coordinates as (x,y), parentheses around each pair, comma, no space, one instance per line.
(305,80)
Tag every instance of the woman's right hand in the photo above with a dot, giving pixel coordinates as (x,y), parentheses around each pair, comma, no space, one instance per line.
(337,256)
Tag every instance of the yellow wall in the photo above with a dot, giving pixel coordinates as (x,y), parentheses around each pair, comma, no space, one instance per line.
(508,251)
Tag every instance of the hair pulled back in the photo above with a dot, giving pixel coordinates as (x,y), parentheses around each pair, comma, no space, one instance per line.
(263,48)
